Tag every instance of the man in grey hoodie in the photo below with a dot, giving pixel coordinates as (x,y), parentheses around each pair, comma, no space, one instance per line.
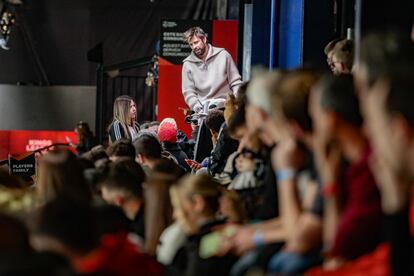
(208,72)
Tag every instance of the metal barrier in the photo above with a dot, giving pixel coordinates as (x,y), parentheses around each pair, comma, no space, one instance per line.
(136,78)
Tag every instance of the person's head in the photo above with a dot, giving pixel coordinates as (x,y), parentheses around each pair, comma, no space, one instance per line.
(259,105)
(290,106)
(382,53)
(328,50)
(342,57)
(389,118)
(121,148)
(335,107)
(123,184)
(167,132)
(125,110)
(148,149)
(65,227)
(168,168)
(96,153)
(214,120)
(83,134)
(60,173)
(195,199)
(197,39)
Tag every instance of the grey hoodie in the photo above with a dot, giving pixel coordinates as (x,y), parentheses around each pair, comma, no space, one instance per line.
(215,78)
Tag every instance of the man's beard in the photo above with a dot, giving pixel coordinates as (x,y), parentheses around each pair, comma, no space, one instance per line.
(200,51)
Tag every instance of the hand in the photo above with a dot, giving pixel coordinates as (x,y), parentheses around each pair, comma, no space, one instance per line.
(243,240)
(193,164)
(333,263)
(286,155)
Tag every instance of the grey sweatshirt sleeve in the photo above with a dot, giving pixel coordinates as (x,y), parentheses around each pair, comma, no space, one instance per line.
(188,88)
(233,75)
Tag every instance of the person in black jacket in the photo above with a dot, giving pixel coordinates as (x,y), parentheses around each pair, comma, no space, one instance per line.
(124,123)
(196,201)
(167,134)
(223,144)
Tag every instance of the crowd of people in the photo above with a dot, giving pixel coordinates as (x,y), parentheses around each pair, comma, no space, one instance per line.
(310,173)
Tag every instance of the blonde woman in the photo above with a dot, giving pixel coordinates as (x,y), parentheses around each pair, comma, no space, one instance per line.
(124,123)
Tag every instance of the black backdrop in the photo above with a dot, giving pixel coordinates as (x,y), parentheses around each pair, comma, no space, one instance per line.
(62,31)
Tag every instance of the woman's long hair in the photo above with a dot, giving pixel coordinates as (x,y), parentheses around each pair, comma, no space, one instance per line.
(121,113)
(61,174)
(158,209)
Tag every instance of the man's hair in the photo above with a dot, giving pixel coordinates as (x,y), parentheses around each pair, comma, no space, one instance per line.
(344,52)
(121,148)
(338,95)
(194,31)
(388,52)
(293,98)
(126,176)
(148,145)
(401,96)
(330,46)
(147,125)
(214,120)
(96,153)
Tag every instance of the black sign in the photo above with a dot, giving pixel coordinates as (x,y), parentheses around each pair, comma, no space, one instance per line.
(173,47)
(22,165)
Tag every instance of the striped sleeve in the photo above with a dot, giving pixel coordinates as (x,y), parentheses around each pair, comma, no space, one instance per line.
(116,131)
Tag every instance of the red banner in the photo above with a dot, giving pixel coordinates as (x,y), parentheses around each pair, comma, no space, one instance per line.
(18,142)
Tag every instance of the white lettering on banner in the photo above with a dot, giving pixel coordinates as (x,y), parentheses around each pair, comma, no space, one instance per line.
(35,144)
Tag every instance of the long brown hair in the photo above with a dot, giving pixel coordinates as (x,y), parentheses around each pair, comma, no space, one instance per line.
(60,174)
(158,209)
(121,113)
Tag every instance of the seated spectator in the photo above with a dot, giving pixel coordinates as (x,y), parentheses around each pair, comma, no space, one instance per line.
(148,151)
(196,203)
(122,187)
(223,144)
(121,148)
(343,57)
(300,201)
(96,153)
(167,135)
(354,229)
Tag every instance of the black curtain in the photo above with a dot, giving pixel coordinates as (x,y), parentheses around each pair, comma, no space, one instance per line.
(52,37)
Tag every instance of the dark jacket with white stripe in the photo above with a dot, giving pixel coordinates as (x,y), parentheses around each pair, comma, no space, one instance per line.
(117,132)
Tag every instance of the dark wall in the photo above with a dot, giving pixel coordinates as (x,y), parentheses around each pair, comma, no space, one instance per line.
(46,108)
(62,31)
